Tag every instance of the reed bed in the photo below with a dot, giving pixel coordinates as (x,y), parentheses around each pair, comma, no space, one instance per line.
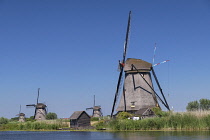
(174,121)
(37,125)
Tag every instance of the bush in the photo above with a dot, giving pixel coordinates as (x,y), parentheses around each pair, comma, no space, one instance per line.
(94,119)
(51,116)
(123,115)
(159,112)
(3,120)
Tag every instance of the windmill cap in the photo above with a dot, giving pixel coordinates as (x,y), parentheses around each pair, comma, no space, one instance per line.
(139,64)
(20,114)
(40,105)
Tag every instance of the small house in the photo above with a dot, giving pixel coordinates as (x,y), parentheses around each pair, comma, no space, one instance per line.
(146,113)
(79,119)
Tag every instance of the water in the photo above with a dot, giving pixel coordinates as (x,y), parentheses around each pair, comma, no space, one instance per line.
(71,135)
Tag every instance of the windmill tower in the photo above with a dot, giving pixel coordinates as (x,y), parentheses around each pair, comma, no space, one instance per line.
(21,116)
(40,109)
(96,110)
(138,91)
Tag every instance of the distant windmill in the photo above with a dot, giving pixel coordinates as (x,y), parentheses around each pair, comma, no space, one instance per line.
(21,116)
(40,109)
(96,110)
(138,95)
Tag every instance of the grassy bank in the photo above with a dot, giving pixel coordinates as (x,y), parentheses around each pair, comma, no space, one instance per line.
(37,125)
(172,121)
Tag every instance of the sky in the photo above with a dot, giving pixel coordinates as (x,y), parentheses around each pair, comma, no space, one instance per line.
(70,50)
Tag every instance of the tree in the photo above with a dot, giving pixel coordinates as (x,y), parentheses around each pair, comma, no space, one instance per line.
(14,119)
(51,116)
(204,104)
(193,106)
(3,120)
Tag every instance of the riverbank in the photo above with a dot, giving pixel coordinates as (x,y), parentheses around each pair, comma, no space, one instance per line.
(35,125)
(171,121)
(167,121)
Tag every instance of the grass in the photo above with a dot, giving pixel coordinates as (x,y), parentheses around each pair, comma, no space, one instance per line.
(173,121)
(37,125)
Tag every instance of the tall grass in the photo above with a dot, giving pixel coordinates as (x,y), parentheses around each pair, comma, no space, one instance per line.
(174,121)
(37,125)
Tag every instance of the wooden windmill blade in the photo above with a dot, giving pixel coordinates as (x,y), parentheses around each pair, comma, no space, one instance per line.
(89,108)
(33,105)
(122,65)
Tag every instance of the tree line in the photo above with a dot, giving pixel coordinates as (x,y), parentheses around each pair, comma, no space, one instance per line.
(202,104)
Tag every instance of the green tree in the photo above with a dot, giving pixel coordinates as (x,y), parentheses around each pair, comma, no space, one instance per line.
(14,119)
(123,115)
(3,120)
(204,104)
(51,116)
(193,106)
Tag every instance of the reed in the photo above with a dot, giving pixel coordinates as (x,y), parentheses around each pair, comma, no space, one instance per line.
(173,121)
(37,125)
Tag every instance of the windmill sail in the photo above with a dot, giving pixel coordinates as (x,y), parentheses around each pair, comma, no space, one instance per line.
(122,64)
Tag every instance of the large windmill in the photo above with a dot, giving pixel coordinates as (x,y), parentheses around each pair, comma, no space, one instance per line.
(138,91)
(96,110)
(21,116)
(40,109)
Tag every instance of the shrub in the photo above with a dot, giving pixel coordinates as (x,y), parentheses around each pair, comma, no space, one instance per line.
(123,115)
(3,120)
(159,112)
(94,119)
(51,116)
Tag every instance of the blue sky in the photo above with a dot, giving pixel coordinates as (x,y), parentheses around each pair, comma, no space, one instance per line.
(70,50)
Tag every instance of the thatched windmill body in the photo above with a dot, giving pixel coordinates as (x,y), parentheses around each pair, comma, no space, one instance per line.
(138,91)
(97,112)
(40,109)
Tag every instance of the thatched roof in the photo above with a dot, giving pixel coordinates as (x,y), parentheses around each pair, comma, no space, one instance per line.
(77,114)
(96,107)
(41,105)
(20,114)
(141,65)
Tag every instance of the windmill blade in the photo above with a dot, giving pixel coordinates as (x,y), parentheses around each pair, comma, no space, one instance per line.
(94,101)
(153,60)
(126,38)
(46,109)
(160,63)
(31,105)
(38,97)
(122,64)
(161,91)
(89,108)
(20,109)
(35,113)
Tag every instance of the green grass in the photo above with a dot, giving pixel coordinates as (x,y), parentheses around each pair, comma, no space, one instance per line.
(37,125)
(172,121)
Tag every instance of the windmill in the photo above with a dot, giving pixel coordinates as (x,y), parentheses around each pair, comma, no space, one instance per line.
(21,116)
(96,110)
(40,109)
(138,92)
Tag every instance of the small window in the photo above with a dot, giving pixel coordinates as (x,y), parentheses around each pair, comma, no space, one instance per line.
(132,104)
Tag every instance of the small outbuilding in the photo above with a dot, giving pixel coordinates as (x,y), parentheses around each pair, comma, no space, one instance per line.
(79,119)
(146,113)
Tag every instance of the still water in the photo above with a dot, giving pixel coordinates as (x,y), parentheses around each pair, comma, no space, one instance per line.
(71,135)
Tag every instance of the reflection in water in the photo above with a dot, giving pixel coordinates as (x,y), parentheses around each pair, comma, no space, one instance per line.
(72,135)
(164,135)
